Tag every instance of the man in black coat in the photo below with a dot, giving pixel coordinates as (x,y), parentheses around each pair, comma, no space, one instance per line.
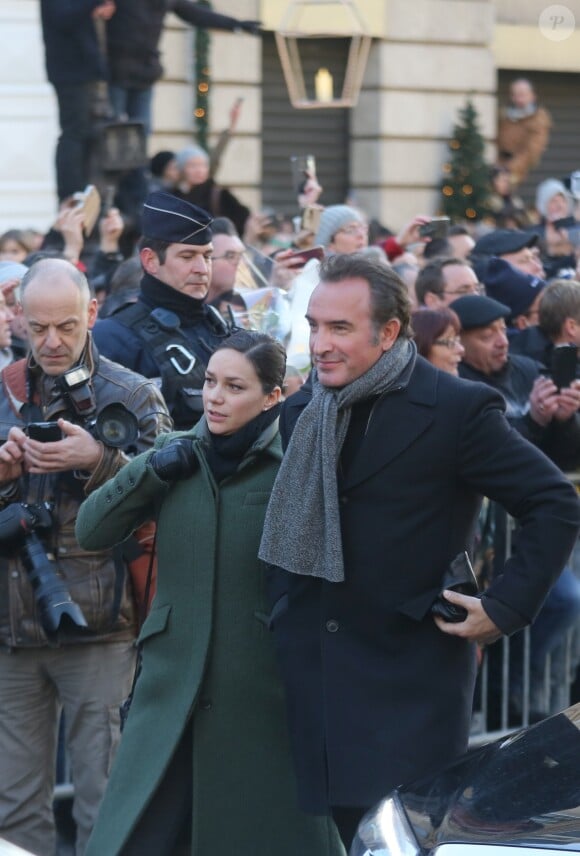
(378,493)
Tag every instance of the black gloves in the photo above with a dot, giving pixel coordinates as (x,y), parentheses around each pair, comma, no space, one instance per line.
(174,461)
(252,27)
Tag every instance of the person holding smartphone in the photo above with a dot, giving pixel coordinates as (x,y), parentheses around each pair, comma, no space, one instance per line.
(73,652)
(546,414)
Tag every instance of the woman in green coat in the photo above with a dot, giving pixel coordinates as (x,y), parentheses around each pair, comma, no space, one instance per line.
(204,764)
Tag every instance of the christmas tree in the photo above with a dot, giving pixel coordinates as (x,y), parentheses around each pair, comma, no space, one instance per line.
(465,186)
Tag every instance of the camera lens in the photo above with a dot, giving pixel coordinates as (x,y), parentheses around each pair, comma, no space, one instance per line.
(117,426)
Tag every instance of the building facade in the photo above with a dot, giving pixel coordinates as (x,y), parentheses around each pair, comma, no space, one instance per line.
(427,58)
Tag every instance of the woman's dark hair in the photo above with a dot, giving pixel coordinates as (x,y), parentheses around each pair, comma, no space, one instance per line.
(267,356)
(429,324)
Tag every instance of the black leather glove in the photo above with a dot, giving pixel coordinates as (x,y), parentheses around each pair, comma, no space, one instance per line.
(252,27)
(174,461)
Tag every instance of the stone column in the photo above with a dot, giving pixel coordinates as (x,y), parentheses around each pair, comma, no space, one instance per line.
(434,55)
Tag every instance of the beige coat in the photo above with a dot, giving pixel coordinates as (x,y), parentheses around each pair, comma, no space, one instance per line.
(525,140)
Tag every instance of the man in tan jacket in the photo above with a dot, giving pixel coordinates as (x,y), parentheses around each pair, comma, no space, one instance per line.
(524,131)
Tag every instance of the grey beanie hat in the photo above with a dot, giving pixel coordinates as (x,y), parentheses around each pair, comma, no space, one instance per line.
(11,270)
(332,219)
(190,152)
(548,188)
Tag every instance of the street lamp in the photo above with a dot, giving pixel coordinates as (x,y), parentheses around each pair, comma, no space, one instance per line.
(315,19)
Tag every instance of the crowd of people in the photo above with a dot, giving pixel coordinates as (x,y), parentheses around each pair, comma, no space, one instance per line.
(306,410)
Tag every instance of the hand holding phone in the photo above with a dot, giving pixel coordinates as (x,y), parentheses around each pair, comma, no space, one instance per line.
(437,227)
(300,257)
(89,202)
(44,432)
(564,365)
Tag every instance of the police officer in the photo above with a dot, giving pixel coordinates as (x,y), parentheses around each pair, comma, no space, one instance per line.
(169,333)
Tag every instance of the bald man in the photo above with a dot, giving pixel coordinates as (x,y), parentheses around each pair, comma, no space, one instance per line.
(67,621)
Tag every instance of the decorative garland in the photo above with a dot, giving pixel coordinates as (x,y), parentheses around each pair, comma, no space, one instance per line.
(202,78)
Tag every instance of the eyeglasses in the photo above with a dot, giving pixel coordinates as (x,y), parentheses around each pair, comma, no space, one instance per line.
(353,229)
(455,342)
(231,256)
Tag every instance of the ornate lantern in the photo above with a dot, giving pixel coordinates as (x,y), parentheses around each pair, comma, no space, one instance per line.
(322,19)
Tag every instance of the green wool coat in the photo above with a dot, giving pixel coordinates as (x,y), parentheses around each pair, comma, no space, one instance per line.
(207,655)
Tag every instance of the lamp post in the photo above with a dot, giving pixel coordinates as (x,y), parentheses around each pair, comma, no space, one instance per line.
(315,19)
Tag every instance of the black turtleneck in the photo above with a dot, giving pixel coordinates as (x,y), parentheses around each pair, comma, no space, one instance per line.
(155,293)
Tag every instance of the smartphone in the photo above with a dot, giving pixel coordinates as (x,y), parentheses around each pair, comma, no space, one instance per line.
(44,432)
(564,365)
(89,202)
(303,256)
(302,167)
(437,227)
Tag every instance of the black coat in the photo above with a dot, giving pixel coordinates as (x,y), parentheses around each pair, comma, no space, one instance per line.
(134,32)
(72,54)
(377,695)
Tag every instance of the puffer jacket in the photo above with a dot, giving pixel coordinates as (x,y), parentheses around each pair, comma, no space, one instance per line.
(96,580)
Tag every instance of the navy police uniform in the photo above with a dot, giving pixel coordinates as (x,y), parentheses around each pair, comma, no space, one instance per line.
(167,334)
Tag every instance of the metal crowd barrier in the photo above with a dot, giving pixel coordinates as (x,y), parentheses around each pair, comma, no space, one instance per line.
(553,697)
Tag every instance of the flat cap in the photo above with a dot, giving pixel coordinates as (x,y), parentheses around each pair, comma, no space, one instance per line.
(168,218)
(476,310)
(502,241)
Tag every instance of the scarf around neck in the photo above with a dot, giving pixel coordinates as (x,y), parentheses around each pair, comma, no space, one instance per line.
(514,114)
(302,525)
(224,454)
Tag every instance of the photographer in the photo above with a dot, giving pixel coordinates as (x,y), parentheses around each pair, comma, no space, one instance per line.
(67,621)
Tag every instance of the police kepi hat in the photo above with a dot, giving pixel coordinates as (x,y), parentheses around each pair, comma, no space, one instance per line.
(168,218)
(475,310)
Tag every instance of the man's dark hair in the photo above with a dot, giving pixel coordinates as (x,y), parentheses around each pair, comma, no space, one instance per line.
(156,245)
(389,295)
(267,356)
(437,248)
(431,279)
(560,300)
(458,229)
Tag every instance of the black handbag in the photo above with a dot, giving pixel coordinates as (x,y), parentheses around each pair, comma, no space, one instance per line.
(461,578)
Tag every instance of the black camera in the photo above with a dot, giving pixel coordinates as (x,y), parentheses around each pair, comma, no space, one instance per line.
(19,524)
(115,425)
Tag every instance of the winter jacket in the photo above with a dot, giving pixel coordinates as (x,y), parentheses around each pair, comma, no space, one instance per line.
(72,53)
(208,662)
(95,581)
(134,31)
(522,142)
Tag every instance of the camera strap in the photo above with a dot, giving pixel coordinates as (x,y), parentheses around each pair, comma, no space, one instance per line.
(18,388)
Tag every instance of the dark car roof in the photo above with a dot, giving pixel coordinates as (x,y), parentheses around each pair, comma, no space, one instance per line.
(522,789)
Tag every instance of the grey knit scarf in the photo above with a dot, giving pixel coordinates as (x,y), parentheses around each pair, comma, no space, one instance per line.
(302,526)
